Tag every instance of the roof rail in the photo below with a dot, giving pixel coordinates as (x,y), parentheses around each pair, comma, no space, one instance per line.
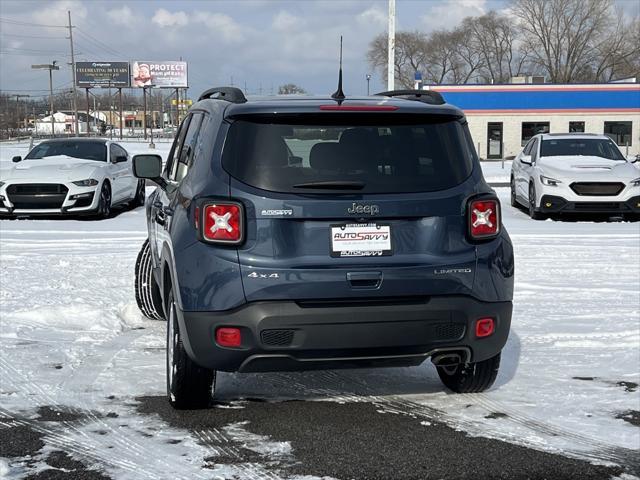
(230,94)
(425,96)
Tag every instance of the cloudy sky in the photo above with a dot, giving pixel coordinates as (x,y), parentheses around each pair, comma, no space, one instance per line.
(264,43)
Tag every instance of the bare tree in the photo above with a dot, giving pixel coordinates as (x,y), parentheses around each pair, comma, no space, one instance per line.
(565,33)
(496,40)
(409,56)
(290,89)
(618,54)
(470,61)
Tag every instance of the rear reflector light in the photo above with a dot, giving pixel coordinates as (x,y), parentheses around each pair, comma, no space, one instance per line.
(228,337)
(222,222)
(484,218)
(484,327)
(360,108)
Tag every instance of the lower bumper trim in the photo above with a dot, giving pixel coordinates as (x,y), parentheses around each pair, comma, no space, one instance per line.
(555,204)
(345,337)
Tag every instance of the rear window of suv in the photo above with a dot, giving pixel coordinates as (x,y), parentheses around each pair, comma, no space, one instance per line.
(329,154)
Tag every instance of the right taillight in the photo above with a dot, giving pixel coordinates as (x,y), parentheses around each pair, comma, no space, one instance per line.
(222,222)
(484,218)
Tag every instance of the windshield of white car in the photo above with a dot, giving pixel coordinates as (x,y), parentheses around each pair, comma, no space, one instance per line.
(84,150)
(572,147)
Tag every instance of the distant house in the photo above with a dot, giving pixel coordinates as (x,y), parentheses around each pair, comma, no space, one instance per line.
(64,123)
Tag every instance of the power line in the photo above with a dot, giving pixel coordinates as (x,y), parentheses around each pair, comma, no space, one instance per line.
(29,36)
(12,21)
(34,50)
(98,43)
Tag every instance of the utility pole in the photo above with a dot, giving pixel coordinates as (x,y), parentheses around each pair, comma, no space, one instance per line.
(392,45)
(51,67)
(18,97)
(73,77)
(368,80)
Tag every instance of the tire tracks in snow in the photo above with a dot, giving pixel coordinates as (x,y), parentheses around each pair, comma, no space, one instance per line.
(133,452)
(593,449)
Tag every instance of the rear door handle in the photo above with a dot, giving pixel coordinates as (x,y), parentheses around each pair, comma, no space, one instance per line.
(364,279)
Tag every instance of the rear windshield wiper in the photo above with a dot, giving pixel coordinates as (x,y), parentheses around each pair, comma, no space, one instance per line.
(333,185)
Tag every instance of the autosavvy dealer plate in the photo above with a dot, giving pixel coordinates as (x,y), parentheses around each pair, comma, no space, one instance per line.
(360,240)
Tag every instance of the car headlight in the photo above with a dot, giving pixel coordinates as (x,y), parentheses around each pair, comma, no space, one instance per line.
(634,183)
(89,182)
(552,182)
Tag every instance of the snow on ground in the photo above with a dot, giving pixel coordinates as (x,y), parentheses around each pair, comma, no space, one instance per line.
(71,337)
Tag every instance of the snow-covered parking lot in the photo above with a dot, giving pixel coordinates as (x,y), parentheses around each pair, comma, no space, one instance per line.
(82,374)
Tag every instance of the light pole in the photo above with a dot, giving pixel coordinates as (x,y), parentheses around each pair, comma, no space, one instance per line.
(51,67)
(391,47)
(18,97)
(144,94)
(368,80)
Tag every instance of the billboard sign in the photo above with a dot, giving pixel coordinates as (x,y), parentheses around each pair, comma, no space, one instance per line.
(102,74)
(159,74)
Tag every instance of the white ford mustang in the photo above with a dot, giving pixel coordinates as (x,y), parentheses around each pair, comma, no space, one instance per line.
(575,172)
(70,176)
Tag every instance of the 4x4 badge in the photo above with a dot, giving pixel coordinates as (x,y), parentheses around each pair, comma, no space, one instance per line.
(263,275)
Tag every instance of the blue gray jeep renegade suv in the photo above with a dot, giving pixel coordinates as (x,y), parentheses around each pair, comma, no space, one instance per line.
(308,232)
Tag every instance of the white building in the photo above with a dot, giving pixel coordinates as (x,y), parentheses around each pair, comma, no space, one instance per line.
(64,123)
(503,117)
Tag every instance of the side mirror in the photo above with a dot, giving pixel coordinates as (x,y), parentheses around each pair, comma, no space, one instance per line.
(630,158)
(16,159)
(147,166)
(526,159)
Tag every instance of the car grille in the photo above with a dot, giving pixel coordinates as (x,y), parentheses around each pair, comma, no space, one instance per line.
(598,189)
(599,206)
(37,195)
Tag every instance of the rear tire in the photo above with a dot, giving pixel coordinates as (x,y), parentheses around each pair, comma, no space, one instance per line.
(147,291)
(471,377)
(189,386)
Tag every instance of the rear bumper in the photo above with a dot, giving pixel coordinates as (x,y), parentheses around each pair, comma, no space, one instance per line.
(284,336)
(555,204)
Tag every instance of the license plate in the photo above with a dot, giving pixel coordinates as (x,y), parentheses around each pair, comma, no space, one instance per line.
(360,240)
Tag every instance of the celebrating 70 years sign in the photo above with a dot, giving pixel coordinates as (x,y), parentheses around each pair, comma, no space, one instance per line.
(102,74)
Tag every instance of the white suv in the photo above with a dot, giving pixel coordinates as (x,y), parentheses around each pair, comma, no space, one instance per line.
(572,172)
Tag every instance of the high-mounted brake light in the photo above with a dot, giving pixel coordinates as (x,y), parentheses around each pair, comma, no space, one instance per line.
(484,218)
(222,222)
(360,108)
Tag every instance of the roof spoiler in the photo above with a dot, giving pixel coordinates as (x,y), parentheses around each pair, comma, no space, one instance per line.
(425,96)
(230,94)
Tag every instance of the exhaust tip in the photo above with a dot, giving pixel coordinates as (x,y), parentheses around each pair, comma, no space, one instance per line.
(447,359)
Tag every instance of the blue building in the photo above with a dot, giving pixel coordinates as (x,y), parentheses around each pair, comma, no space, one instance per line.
(503,117)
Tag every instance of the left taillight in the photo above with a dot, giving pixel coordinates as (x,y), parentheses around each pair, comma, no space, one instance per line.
(222,222)
(484,218)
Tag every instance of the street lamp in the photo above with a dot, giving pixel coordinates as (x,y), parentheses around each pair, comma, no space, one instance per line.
(51,67)
(368,80)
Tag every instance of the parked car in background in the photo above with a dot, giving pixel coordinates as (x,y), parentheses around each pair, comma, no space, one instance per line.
(70,176)
(574,172)
(305,233)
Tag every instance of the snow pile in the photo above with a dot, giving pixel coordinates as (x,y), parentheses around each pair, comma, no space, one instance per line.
(78,316)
